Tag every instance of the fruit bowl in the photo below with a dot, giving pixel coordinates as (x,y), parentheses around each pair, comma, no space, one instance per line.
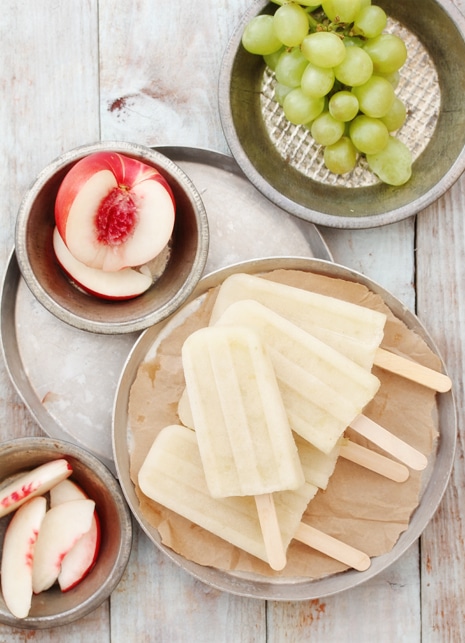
(286,165)
(53,607)
(183,258)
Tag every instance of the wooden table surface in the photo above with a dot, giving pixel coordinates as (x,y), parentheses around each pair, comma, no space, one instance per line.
(79,71)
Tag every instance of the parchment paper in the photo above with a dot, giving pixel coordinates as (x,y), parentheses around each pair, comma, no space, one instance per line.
(359,507)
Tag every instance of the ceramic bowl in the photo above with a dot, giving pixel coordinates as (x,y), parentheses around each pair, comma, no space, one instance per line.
(53,607)
(49,284)
(286,165)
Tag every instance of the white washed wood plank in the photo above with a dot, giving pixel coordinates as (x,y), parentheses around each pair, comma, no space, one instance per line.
(160,64)
(441,303)
(49,83)
(159,74)
(384,609)
(163,603)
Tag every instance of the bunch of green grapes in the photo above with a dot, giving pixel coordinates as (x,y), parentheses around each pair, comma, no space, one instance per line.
(336,72)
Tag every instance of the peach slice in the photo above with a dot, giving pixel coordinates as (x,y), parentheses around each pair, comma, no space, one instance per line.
(114,212)
(33,483)
(18,554)
(81,558)
(124,284)
(62,527)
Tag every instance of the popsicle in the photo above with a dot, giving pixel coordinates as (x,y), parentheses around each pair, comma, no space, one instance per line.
(245,441)
(354,330)
(322,389)
(173,475)
(346,449)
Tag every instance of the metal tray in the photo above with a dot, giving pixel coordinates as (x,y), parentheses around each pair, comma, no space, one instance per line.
(434,480)
(67,377)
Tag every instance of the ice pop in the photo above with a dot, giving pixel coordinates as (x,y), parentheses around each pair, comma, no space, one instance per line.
(172,475)
(354,330)
(245,441)
(322,390)
(347,449)
(244,437)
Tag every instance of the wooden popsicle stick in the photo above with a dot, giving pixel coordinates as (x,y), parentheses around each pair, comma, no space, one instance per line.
(271,532)
(332,547)
(412,371)
(389,442)
(373,461)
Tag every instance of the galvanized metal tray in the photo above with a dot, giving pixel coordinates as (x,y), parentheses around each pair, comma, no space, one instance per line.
(67,377)
(434,480)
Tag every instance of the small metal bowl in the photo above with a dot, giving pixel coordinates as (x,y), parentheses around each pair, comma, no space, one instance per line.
(53,607)
(49,284)
(286,165)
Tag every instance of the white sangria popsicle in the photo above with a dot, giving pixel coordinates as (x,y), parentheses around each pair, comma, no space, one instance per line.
(245,441)
(173,475)
(355,331)
(323,390)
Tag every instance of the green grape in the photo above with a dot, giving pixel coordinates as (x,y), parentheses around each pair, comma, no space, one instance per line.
(370,21)
(317,81)
(396,116)
(343,106)
(272,59)
(387,51)
(290,24)
(393,78)
(375,97)
(364,3)
(355,69)
(340,157)
(393,165)
(369,135)
(341,10)
(323,48)
(290,67)
(300,108)
(259,36)
(280,92)
(326,130)
(306,3)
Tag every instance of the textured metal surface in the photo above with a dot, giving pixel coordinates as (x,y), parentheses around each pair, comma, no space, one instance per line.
(418,88)
(53,607)
(284,588)
(66,376)
(282,161)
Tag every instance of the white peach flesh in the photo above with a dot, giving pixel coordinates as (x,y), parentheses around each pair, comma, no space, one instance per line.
(61,528)
(124,284)
(18,554)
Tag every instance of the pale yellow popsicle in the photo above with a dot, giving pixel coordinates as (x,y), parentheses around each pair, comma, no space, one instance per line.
(355,331)
(172,475)
(244,437)
(322,390)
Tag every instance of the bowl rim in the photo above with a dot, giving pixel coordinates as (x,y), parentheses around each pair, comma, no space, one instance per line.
(125,517)
(394,215)
(71,317)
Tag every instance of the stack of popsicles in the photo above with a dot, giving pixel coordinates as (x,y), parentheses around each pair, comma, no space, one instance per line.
(271,385)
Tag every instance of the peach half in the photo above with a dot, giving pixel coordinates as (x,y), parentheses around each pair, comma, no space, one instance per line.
(114,212)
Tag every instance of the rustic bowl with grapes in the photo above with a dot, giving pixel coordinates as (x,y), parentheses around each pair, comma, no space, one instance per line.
(77,501)
(275,119)
(112,237)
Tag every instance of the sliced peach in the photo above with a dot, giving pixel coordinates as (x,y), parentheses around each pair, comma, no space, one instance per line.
(114,212)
